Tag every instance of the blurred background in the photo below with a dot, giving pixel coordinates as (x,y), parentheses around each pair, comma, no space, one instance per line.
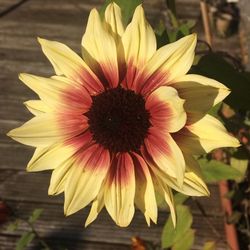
(29,218)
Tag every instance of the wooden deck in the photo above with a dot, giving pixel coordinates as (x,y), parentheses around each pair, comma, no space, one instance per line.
(61,20)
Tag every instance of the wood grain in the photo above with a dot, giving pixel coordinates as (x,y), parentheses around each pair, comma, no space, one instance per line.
(64,20)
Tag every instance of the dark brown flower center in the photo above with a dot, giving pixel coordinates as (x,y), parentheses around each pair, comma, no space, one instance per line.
(118,120)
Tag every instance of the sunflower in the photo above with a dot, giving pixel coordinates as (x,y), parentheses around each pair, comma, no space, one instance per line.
(124,122)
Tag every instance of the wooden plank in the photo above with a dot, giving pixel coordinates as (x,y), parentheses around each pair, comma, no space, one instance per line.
(53,224)
(36,190)
(8,4)
(8,242)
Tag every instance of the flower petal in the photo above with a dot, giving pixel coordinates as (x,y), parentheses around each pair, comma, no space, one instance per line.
(99,50)
(200,94)
(66,62)
(145,194)
(119,191)
(37,107)
(166,109)
(57,154)
(83,185)
(48,128)
(60,94)
(193,185)
(167,193)
(139,44)
(168,63)
(59,177)
(96,208)
(113,18)
(203,136)
(165,153)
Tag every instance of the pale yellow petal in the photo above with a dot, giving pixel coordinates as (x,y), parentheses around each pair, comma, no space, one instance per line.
(96,208)
(120,190)
(99,50)
(59,177)
(113,18)
(50,157)
(165,153)
(37,107)
(60,94)
(145,195)
(193,185)
(167,64)
(200,93)
(167,193)
(139,39)
(203,136)
(40,131)
(139,44)
(66,62)
(83,184)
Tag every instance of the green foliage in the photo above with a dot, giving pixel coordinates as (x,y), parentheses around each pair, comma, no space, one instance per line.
(127,8)
(13,226)
(35,215)
(240,165)
(214,110)
(214,171)
(25,240)
(186,242)
(172,237)
(214,66)
(161,34)
(209,245)
(180,198)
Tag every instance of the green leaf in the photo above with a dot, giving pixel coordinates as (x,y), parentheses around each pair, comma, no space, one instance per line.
(127,8)
(186,242)
(234,217)
(216,67)
(171,235)
(180,198)
(214,110)
(25,240)
(209,245)
(35,215)
(161,34)
(214,171)
(240,165)
(13,226)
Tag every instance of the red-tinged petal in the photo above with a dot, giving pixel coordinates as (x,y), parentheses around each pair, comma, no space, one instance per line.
(82,186)
(59,93)
(48,128)
(66,62)
(119,191)
(71,125)
(165,153)
(166,109)
(55,155)
(99,50)
(168,63)
(144,195)
(139,44)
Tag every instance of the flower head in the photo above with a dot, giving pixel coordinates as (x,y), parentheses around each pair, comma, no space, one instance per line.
(124,121)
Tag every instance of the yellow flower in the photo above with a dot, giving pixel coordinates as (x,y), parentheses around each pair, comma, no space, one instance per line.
(123,122)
